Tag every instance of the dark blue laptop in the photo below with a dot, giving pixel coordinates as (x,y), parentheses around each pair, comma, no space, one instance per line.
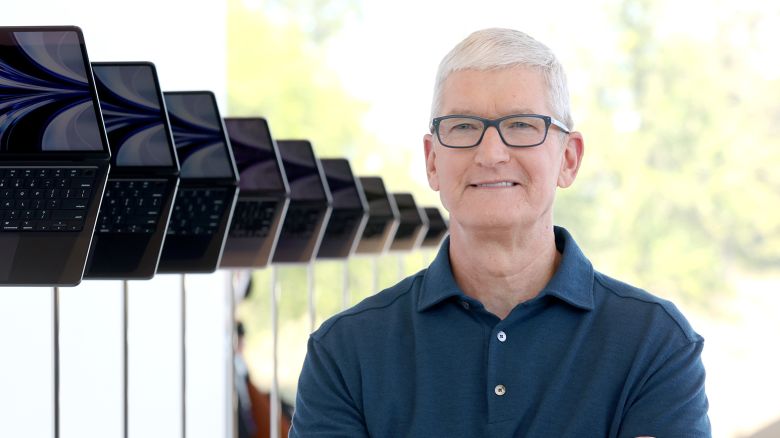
(54,156)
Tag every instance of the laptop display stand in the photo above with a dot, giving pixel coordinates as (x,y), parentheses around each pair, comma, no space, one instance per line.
(274,353)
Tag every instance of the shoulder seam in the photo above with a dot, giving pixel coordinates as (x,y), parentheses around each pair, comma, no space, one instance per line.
(317,335)
(598,276)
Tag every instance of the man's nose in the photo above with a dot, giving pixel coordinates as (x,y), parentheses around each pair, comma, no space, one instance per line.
(492,150)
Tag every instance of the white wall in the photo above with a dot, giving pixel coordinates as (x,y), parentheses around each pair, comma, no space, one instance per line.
(187,42)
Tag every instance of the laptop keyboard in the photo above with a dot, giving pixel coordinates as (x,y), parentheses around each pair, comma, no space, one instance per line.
(45,199)
(197,211)
(374,228)
(131,206)
(301,221)
(341,223)
(252,218)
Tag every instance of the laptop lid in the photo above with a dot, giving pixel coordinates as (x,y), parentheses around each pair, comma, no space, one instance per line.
(199,135)
(306,180)
(437,228)
(383,217)
(413,225)
(139,133)
(350,210)
(257,157)
(48,103)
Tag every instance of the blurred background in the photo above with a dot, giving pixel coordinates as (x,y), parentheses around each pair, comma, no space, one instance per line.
(679,192)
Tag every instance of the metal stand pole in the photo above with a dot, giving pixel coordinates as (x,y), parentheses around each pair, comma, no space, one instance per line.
(274,347)
(234,283)
(312,305)
(375,270)
(56,357)
(183,356)
(345,300)
(125,398)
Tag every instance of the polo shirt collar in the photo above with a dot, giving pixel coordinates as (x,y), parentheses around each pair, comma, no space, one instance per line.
(572,282)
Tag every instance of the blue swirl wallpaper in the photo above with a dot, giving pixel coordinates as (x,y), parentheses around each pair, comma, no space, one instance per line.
(300,166)
(199,140)
(133,115)
(254,154)
(46,104)
(341,183)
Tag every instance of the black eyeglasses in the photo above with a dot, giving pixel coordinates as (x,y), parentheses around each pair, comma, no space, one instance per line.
(516,130)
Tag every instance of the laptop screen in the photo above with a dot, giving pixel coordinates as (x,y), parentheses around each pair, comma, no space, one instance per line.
(48,102)
(376,195)
(197,132)
(256,159)
(300,165)
(342,183)
(136,123)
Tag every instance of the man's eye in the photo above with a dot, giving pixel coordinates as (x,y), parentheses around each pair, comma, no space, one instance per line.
(464,126)
(519,125)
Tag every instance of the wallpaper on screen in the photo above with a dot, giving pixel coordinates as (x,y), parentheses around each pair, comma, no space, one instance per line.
(199,140)
(254,154)
(45,99)
(132,113)
(301,170)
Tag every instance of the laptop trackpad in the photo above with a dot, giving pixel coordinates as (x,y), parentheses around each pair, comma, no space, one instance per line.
(9,243)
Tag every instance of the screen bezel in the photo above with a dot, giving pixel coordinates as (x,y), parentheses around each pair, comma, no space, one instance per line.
(221,124)
(175,167)
(274,146)
(323,181)
(105,154)
(355,182)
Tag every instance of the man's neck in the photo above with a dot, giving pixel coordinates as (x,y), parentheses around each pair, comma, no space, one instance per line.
(502,270)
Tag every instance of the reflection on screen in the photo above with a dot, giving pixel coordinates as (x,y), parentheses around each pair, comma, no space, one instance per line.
(376,195)
(200,142)
(46,102)
(132,112)
(253,150)
(341,183)
(406,207)
(300,167)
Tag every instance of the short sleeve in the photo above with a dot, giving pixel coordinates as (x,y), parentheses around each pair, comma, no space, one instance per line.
(672,401)
(324,407)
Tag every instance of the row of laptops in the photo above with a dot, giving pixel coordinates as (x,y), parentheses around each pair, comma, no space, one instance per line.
(187,190)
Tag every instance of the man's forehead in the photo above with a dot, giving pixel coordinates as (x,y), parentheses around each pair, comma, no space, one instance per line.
(494,93)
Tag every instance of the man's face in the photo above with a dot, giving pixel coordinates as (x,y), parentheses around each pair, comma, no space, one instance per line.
(473,182)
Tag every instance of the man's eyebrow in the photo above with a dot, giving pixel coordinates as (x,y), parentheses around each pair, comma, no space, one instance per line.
(468,112)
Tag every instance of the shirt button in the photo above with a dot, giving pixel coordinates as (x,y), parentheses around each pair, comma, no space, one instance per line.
(465,305)
(500,390)
(501,336)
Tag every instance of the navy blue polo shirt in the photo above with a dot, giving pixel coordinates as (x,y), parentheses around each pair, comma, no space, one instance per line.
(588,357)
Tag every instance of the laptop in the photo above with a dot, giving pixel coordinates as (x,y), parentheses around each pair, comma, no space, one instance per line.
(310,203)
(209,184)
(54,156)
(264,196)
(437,228)
(350,210)
(383,217)
(412,226)
(144,174)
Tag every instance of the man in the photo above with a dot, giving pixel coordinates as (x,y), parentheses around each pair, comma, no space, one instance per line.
(510,331)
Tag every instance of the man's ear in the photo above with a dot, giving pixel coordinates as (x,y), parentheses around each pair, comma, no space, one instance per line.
(572,153)
(430,162)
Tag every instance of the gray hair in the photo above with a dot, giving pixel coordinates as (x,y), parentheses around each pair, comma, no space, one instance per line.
(496,48)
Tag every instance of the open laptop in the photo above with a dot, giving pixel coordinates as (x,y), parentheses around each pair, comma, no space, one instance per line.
(412,226)
(383,217)
(54,156)
(437,228)
(350,210)
(209,184)
(310,203)
(144,174)
(264,196)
